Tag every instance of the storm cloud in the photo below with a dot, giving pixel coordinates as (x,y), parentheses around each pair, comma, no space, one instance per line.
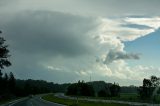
(38,39)
(57,40)
(40,32)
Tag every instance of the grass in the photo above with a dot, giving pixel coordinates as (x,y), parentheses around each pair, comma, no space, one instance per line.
(124,97)
(129,97)
(69,102)
(132,97)
(3,101)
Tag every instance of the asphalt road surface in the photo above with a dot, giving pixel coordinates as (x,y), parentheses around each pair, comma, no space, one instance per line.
(34,101)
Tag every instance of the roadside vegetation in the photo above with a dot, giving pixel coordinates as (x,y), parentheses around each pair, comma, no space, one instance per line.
(69,102)
(147,93)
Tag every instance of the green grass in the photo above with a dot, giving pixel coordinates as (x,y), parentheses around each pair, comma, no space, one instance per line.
(132,97)
(129,97)
(7,100)
(126,97)
(69,102)
(4,101)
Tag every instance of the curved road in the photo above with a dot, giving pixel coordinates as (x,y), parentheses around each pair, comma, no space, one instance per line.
(35,101)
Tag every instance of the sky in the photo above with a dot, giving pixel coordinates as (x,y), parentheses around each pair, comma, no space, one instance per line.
(69,40)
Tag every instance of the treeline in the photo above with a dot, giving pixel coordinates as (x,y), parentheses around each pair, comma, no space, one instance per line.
(11,87)
(101,85)
(112,90)
(129,89)
(149,90)
(7,85)
(80,89)
(27,87)
(93,89)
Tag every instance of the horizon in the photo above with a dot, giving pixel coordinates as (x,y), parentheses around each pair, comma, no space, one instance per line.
(66,41)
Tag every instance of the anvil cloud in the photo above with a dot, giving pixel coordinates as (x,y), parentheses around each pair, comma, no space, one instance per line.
(52,42)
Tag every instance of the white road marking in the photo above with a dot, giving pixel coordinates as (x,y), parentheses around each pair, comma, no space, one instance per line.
(16,101)
(32,104)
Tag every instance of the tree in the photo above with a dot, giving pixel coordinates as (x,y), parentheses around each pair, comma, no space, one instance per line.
(11,82)
(114,90)
(5,77)
(155,81)
(4,62)
(80,89)
(5,82)
(4,54)
(148,87)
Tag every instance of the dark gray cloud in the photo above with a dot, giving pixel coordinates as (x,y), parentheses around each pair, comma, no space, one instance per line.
(29,67)
(53,33)
(36,38)
(87,7)
(117,55)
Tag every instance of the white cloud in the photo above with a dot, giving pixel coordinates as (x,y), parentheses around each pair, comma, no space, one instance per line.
(115,28)
(153,22)
(54,68)
(82,73)
(120,71)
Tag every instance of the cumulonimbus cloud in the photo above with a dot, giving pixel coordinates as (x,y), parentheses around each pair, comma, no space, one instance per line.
(48,38)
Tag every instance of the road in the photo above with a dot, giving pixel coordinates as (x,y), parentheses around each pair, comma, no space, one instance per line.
(37,101)
(34,101)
